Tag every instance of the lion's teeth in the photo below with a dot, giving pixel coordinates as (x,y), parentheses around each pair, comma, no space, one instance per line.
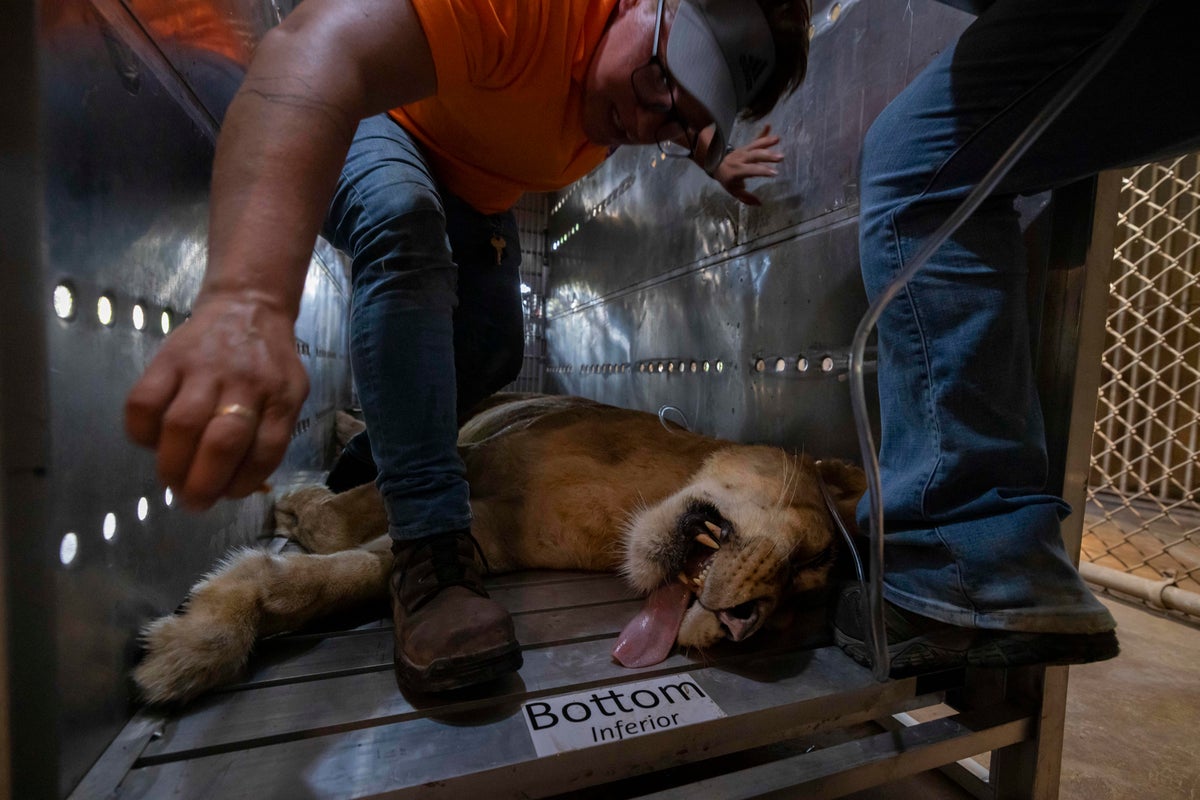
(712,526)
(708,541)
(697,582)
(684,579)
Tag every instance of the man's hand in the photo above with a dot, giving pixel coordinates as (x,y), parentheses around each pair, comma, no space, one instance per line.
(753,160)
(220,399)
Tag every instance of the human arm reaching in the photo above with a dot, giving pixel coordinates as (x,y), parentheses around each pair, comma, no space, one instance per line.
(219,400)
(757,159)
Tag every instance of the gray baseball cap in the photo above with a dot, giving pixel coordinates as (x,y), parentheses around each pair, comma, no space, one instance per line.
(721,53)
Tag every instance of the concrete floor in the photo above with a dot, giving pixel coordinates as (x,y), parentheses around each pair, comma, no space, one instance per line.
(1133,723)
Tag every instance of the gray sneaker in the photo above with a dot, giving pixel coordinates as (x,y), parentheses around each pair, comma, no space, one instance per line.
(918,644)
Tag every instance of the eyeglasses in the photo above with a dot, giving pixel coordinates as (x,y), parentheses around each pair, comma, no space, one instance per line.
(655,91)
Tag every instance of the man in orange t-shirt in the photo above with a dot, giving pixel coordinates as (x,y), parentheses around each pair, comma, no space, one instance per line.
(489,99)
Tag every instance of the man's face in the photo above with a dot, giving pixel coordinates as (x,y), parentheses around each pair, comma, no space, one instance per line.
(612,114)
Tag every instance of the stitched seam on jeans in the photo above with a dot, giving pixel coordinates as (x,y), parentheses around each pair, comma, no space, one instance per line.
(355,267)
(367,358)
(928,368)
(958,576)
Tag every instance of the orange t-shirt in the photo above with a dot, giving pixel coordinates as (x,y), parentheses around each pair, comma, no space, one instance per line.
(508,114)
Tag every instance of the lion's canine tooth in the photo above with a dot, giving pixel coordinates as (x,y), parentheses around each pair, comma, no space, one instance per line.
(712,526)
(684,579)
(697,581)
(708,541)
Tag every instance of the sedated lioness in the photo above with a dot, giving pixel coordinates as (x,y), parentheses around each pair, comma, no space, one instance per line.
(716,534)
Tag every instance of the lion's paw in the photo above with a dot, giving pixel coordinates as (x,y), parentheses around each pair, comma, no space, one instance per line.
(185,657)
(294,508)
(324,522)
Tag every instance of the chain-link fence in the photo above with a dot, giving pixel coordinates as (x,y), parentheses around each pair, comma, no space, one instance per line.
(1143,513)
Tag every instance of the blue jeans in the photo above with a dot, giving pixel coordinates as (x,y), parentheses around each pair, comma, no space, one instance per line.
(973,538)
(436,321)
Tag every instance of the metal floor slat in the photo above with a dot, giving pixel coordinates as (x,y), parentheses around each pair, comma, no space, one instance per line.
(322,717)
(850,766)
(485,751)
(309,707)
(310,658)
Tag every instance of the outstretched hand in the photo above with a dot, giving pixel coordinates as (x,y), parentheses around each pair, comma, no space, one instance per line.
(220,399)
(753,160)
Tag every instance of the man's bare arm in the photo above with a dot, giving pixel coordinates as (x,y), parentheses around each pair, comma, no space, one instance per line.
(326,67)
(285,136)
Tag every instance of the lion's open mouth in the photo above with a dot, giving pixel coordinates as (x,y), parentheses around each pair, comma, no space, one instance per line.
(648,638)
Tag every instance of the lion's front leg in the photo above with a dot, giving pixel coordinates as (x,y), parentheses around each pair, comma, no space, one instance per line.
(254,594)
(324,522)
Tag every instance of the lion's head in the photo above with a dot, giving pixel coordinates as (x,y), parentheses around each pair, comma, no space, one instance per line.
(718,557)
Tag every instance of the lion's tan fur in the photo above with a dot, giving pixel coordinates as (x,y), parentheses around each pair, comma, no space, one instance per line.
(556,483)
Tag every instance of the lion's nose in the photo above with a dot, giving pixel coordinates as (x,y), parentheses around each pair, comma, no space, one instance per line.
(741,620)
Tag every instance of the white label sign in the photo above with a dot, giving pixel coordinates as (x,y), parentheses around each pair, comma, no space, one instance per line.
(613,713)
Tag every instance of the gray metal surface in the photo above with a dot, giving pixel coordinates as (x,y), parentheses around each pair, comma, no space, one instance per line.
(651,262)
(855,765)
(654,267)
(26,731)
(327,731)
(124,153)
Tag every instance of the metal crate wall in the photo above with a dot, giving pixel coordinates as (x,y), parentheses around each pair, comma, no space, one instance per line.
(532,213)
(1143,513)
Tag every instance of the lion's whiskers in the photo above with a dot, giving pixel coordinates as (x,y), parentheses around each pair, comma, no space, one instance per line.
(789,486)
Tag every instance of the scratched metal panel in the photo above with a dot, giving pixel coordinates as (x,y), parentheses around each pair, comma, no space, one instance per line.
(652,263)
(208,42)
(126,157)
(732,338)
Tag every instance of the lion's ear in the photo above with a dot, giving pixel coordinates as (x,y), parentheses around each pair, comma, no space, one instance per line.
(846,484)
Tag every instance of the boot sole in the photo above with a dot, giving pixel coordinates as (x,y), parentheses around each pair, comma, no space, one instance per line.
(447,674)
(911,657)
(1024,649)
(998,651)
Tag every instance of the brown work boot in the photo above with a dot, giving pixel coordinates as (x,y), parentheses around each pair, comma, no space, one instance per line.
(448,632)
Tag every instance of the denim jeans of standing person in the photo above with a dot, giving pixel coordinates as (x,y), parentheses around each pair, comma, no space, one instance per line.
(973,538)
(435,327)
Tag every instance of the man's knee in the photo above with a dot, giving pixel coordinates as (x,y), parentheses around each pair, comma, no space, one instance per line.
(890,162)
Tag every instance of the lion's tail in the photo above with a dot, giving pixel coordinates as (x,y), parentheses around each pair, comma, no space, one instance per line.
(252,595)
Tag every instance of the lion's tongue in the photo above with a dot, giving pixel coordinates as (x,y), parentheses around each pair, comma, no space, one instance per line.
(648,637)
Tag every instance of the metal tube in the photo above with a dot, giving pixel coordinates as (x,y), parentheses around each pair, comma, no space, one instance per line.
(1160,594)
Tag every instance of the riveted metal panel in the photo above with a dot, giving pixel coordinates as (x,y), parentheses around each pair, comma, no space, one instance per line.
(654,266)
(126,150)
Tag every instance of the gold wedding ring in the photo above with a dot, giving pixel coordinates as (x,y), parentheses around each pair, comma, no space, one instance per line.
(238,410)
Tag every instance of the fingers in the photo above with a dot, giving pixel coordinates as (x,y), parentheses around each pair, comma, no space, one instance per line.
(765,136)
(148,401)
(756,170)
(219,401)
(761,156)
(271,441)
(238,450)
(226,438)
(183,425)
